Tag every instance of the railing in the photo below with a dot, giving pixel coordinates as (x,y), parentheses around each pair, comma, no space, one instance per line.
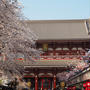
(64,52)
(61,57)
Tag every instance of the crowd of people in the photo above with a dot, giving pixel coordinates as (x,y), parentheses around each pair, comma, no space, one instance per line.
(16,84)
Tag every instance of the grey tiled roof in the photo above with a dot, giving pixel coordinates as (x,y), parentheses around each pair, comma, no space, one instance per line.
(60,29)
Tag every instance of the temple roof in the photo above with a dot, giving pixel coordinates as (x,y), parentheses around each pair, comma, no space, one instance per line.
(60,29)
(52,63)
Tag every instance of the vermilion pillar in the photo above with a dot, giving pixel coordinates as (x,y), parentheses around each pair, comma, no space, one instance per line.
(54,82)
(36,82)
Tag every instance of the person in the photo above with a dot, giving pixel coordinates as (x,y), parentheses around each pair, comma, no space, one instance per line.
(78,89)
(0,82)
(22,85)
(15,84)
(10,85)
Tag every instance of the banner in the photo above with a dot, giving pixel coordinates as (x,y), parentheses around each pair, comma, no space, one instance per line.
(45,47)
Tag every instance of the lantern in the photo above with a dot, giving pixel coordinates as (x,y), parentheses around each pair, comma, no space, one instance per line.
(88,84)
(68,88)
(84,85)
(74,88)
(62,84)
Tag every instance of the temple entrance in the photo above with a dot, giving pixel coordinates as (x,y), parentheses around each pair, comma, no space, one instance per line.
(40,83)
(43,78)
(45,83)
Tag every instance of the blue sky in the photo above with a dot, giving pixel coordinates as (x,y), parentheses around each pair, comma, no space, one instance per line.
(56,9)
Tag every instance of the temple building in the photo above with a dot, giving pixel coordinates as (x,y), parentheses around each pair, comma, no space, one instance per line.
(62,43)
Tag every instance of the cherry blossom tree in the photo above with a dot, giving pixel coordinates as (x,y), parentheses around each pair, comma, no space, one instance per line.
(16,38)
